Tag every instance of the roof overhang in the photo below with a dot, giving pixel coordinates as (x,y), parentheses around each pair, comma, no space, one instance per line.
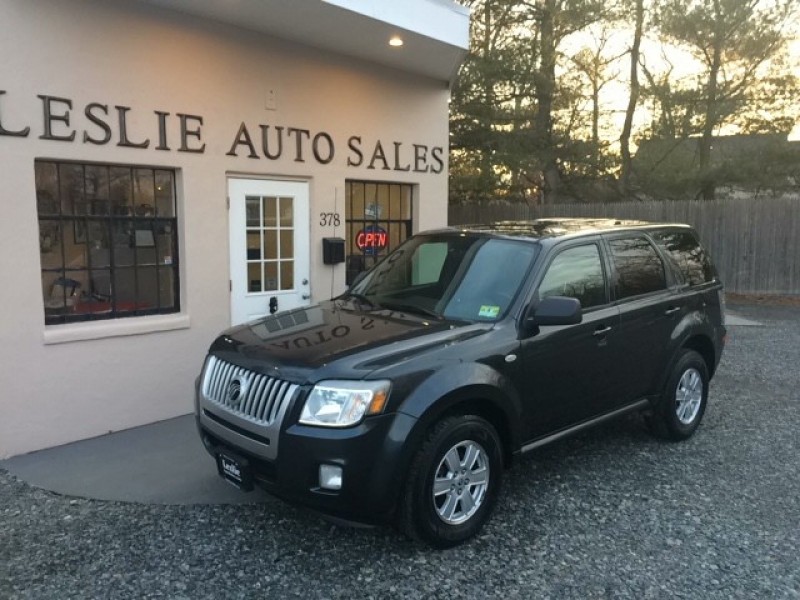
(435,33)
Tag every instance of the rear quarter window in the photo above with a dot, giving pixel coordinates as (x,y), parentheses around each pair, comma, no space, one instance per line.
(687,253)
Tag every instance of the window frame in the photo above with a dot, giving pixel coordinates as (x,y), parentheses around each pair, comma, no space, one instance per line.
(558,249)
(666,263)
(352,223)
(108,223)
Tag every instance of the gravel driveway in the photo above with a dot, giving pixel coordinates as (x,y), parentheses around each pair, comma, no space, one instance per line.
(609,514)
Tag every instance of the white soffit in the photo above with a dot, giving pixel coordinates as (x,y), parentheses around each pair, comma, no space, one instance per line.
(435,33)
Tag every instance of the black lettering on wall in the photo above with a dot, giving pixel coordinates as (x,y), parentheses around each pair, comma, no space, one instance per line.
(90,111)
(378,154)
(436,155)
(397,166)
(124,141)
(242,138)
(186,133)
(265,142)
(49,117)
(315,148)
(420,158)
(298,134)
(162,130)
(101,127)
(19,133)
(354,143)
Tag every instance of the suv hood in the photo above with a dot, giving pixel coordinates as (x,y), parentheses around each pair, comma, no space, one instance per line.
(293,343)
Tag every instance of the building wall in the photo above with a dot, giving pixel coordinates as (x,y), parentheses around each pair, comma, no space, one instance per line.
(61,383)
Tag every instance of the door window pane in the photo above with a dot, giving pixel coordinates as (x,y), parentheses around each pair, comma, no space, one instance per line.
(287,274)
(287,212)
(253,207)
(270,212)
(253,245)
(270,276)
(254,277)
(576,273)
(639,268)
(287,243)
(271,244)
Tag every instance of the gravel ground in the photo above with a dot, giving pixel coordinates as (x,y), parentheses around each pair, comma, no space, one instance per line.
(609,514)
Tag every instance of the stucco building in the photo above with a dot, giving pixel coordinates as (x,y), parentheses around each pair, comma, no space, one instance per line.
(172,167)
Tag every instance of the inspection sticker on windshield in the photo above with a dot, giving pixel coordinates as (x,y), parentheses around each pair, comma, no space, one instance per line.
(489,311)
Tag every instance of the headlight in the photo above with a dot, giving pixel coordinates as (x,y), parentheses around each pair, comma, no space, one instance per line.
(344,403)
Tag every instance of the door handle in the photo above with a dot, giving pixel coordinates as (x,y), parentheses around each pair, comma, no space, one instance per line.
(672,310)
(601,331)
(273,305)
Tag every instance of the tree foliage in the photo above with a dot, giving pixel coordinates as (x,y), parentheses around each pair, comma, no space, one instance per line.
(531,118)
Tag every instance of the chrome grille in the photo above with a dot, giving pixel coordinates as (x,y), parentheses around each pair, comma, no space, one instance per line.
(245,393)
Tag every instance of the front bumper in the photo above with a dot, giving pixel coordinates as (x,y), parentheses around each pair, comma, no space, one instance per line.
(286,462)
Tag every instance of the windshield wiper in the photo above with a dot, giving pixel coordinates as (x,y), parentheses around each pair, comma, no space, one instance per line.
(360,298)
(413,308)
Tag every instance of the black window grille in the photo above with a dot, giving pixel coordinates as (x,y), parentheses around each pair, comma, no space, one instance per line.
(107,240)
(378,219)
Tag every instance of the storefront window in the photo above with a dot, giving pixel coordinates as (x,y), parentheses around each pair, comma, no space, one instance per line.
(107,241)
(378,219)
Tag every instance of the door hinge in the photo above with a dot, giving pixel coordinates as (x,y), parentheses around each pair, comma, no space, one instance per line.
(230,285)
(228,202)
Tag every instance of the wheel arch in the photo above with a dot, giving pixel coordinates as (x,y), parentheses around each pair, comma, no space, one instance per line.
(703,345)
(475,403)
(467,389)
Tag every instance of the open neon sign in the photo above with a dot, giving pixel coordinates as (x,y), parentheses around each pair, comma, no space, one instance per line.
(372,239)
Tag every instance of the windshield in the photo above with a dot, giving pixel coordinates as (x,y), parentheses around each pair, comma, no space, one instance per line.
(458,277)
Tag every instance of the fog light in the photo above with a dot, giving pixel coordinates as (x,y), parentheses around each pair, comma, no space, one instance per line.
(330,477)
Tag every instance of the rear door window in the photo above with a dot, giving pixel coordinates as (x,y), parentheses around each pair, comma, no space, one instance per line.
(639,267)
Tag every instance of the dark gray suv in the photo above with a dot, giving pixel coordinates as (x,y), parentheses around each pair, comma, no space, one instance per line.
(402,400)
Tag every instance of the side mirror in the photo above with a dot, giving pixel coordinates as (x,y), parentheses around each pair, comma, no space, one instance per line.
(555,310)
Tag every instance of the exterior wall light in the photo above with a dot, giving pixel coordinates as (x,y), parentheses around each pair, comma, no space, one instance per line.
(396,41)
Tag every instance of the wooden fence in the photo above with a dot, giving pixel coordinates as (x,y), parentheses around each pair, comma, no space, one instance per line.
(754,242)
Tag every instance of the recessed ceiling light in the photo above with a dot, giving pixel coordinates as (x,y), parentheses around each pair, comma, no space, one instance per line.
(396,41)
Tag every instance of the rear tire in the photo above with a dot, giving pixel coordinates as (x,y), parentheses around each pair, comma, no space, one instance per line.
(453,482)
(684,399)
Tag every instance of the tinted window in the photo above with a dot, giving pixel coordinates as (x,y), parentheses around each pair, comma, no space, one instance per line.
(688,254)
(495,272)
(455,276)
(577,273)
(640,270)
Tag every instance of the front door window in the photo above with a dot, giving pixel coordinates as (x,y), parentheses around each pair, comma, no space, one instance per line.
(270,243)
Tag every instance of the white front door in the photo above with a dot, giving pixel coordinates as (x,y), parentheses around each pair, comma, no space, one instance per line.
(269,247)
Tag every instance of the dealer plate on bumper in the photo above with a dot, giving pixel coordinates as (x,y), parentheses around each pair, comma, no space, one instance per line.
(235,470)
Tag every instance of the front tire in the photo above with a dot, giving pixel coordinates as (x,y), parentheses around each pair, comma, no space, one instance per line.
(453,482)
(684,399)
